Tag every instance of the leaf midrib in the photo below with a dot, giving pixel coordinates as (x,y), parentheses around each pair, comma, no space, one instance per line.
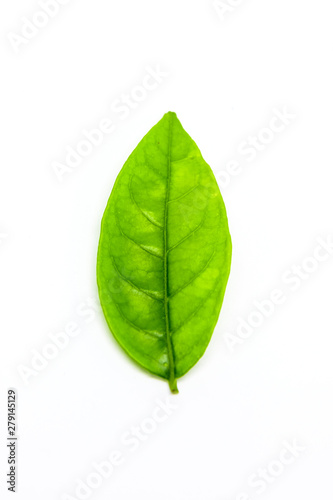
(172,378)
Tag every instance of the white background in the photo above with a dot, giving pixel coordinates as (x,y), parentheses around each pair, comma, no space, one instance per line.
(236,408)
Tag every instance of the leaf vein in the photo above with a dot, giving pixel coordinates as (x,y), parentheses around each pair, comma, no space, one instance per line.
(187,236)
(138,244)
(170,349)
(194,277)
(155,335)
(131,282)
(185,158)
(185,194)
(197,309)
(139,208)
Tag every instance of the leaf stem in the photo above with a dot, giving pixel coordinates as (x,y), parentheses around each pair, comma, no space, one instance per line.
(173,385)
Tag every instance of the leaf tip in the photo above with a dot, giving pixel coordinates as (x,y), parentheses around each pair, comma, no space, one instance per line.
(170,115)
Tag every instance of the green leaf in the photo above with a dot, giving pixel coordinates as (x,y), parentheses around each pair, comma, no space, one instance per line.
(164,253)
